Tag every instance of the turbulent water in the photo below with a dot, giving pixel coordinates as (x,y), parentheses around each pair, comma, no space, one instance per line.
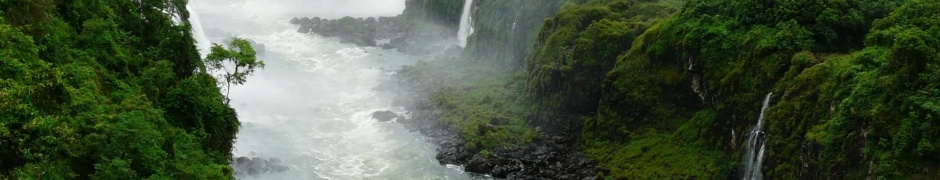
(466,28)
(754,152)
(311,106)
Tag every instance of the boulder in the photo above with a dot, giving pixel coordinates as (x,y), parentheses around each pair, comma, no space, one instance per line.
(384,116)
(246,166)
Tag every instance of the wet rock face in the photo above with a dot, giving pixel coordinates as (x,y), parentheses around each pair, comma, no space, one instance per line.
(359,31)
(400,33)
(384,116)
(549,156)
(246,166)
(452,151)
(540,160)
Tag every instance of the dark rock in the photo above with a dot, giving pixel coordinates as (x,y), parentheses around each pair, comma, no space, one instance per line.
(483,128)
(549,156)
(359,31)
(480,164)
(399,32)
(295,20)
(384,116)
(245,166)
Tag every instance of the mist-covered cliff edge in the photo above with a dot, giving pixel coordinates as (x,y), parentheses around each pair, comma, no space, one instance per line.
(674,89)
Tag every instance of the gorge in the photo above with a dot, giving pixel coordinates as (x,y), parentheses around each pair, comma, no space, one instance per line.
(463,89)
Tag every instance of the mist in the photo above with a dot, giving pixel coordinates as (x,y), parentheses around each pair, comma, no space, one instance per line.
(321,8)
(309,110)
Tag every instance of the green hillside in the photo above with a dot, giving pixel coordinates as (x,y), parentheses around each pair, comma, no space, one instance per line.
(107,89)
(670,89)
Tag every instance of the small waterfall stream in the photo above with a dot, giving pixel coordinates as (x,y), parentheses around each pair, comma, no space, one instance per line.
(754,152)
(465,27)
(202,43)
(512,33)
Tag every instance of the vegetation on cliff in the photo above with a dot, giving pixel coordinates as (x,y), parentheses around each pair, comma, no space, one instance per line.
(657,89)
(478,102)
(853,79)
(576,49)
(108,89)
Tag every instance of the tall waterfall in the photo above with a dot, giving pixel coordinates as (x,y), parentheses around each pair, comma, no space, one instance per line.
(465,24)
(202,43)
(754,152)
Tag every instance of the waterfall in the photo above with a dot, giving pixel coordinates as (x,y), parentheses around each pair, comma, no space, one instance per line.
(202,43)
(754,152)
(516,19)
(512,34)
(465,27)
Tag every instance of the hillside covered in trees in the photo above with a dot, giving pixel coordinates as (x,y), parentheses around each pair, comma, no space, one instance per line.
(644,89)
(108,89)
(671,88)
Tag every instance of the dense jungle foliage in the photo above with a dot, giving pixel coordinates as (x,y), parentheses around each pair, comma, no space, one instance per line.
(669,88)
(107,89)
(851,82)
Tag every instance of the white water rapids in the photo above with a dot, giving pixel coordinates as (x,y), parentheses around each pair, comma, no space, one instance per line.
(311,105)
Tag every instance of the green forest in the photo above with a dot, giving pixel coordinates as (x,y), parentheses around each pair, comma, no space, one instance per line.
(108,89)
(649,89)
(656,89)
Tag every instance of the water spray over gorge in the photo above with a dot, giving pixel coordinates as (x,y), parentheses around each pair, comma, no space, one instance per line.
(463,89)
(310,110)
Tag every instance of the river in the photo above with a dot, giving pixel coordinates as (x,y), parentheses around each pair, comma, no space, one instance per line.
(311,106)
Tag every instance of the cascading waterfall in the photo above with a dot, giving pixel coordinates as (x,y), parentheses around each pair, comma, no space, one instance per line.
(754,152)
(202,43)
(465,27)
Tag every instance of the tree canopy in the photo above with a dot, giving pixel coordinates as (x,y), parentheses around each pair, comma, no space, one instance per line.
(107,89)
(241,55)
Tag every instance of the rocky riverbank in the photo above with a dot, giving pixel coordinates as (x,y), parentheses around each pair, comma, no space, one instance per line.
(412,37)
(359,31)
(254,166)
(547,156)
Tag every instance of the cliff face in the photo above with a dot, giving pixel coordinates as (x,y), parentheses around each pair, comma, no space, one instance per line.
(669,88)
(576,48)
(443,13)
(505,29)
(849,81)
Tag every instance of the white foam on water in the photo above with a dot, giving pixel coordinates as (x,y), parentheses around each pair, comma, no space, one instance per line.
(311,106)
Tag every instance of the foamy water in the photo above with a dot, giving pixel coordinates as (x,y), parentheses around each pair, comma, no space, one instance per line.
(311,106)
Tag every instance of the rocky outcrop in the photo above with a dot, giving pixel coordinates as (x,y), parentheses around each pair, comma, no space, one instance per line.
(547,157)
(384,116)
(359,31)
(409,36)
(247,166)
(551,158)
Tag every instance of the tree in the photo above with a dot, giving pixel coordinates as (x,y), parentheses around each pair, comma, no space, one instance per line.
(241,54)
